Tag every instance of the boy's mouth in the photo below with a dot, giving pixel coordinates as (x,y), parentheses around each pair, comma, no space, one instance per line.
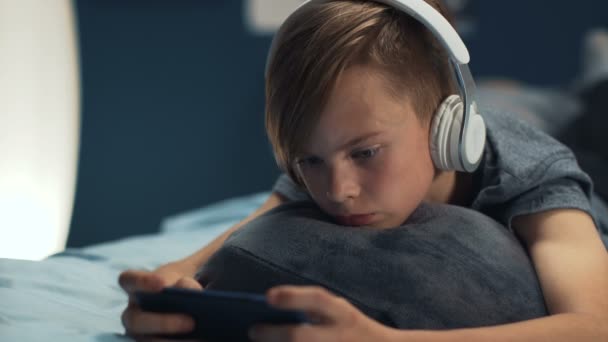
(355,220)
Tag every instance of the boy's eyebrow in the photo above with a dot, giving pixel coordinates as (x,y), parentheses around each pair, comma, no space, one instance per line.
(360,139)
(353,141)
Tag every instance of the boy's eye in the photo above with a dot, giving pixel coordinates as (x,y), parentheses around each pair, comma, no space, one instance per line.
(365,154)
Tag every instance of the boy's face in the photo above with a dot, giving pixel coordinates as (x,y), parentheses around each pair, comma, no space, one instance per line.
(367,161)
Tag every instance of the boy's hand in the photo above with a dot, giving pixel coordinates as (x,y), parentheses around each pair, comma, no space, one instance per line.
(141,323)
(334,318)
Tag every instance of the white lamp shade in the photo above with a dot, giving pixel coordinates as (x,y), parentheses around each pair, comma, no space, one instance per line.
(39,126)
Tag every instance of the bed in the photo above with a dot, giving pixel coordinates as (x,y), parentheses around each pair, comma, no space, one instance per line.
(74,295)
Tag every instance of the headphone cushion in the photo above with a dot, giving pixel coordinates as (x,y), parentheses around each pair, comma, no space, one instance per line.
(453,145)
(475,139)
(434,139)
(442,133)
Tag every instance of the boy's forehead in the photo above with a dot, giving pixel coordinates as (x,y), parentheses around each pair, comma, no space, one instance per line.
(360,105)
(362,87)
(363,98)
(353,127)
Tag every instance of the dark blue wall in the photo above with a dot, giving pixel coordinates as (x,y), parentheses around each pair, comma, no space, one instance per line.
(172,113)
(173,99)
(533,41)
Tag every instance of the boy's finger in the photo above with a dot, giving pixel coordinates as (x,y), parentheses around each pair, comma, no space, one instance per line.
(316,301)
(188,283)
(138,322)
(136,280)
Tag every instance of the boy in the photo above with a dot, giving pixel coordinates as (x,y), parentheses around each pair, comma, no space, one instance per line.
(352,91)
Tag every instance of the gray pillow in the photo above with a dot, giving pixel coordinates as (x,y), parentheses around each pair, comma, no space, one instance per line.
(446,267)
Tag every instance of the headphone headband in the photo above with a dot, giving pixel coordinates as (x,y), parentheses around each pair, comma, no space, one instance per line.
(436,23)
(419,10)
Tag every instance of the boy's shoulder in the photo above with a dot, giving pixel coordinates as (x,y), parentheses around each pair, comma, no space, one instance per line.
(519,148)
(524,170)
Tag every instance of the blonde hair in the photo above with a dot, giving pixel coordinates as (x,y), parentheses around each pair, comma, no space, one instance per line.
(322,40)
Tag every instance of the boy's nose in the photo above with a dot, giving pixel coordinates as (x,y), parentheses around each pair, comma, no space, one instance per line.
(342,185)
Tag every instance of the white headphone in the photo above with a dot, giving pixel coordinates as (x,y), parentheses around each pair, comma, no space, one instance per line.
(458,131)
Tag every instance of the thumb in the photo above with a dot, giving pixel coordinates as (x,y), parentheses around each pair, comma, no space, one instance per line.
(137,280)
(188,283)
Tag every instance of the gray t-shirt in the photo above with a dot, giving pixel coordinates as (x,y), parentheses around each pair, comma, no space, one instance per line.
(523,171)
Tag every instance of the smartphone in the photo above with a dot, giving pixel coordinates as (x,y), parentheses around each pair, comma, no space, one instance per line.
(219,315)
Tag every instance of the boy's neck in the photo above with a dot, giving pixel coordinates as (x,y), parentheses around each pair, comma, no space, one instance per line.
(451,187)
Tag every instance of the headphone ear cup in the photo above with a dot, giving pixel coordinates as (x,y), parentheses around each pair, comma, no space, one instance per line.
(441,144)
(453,148)
(475,140)
(434,139)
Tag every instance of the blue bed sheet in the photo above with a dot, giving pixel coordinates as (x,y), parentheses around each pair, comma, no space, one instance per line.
(74,295)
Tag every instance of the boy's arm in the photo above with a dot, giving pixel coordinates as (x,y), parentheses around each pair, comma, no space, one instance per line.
(179,274)
(571,263)
(190,264)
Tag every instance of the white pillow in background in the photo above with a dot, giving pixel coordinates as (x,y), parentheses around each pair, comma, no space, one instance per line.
(265,16)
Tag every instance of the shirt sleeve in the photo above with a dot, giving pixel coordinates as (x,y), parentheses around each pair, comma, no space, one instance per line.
(289,189)
(525,171)
(557,194)
(560,184)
